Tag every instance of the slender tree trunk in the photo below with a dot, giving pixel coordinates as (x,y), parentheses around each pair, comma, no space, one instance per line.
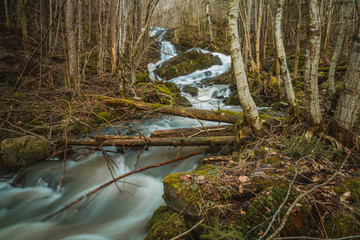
(258,38)
(298,31)
(23,24)
(44,20)
(312,103)
(208,17)
(247,103)
(113,34)
(329,14)
(348,110)
(290,95)
(338,48)
(72,45)
(7,13)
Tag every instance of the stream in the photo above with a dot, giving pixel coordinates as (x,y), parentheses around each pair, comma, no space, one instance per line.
(122,210)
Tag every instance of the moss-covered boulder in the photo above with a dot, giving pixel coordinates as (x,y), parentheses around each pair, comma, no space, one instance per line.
(186,63)
(166,224)
(22,151)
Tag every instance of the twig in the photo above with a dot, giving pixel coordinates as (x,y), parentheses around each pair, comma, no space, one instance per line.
(188,231)
(313,238)
(282,225)
(89,194)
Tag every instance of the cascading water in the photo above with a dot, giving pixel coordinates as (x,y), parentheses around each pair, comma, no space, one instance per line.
(122,210)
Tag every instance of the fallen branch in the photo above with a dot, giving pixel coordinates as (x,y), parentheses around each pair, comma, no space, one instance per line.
(209,115)
(135,142)
(89,194)
(225,130)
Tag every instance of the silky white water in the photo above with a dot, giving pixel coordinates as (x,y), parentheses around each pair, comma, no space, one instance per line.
(122,210)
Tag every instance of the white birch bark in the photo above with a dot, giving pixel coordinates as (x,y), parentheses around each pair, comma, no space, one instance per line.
(312,104)
(339,46)
(246,101)
(72,44)
(348,110)
(290,95)
(208,16)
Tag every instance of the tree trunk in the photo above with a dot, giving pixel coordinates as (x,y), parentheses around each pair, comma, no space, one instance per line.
(312,104)
(246,101)
(113,34)
(135,142)
(44,20)
(23,24)
(290,95)
(7,13)
(338,48)
(72,45)
(297,51)
(329,14)
(257,40)
(348,109)
(208,17)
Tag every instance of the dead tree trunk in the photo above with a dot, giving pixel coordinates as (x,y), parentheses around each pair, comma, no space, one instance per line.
(136,142)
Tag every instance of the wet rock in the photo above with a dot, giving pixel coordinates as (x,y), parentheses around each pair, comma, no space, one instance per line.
(186,63)
(23,151)
(193,91)
(166,224)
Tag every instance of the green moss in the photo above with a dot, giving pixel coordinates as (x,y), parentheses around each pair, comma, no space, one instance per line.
(35,122)
(17,95)
(351,185)
(342,224)
(104,117)
(163,89)
(142,77)
(165,224)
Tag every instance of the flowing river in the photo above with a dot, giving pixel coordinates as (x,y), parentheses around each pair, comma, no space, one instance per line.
(122,210)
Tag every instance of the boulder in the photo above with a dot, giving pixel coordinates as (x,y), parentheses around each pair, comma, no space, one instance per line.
(22,151)
(193,91)
(186,63)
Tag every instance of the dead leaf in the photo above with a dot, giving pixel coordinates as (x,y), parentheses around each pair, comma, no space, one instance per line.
(244,179)
(185,178)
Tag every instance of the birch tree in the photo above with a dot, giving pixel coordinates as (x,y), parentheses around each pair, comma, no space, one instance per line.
(339,47)
(312,104)
(246,101)
(348,109)
(72,45)
(290,95)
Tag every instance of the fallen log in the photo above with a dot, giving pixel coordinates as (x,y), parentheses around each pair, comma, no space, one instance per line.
(222,130)
(134,142)
(209,115)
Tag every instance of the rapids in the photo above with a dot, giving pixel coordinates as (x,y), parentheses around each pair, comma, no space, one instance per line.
(122,210)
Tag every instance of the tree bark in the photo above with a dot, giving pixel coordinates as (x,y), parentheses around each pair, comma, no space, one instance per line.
(222,130)
(72,45)
(208,17)
(329,14)
(23,24)
(312,104)
(348,109)
(136,142)
(44,20)
(113,34)
(7,13)
(297,51)
(290,95)
(338,48)
(246,101)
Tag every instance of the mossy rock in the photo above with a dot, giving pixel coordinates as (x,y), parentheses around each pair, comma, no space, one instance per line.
(23,151)
(233,99)
(142,77)
(166,224)
(186,63)
(104,117)
(183,196)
